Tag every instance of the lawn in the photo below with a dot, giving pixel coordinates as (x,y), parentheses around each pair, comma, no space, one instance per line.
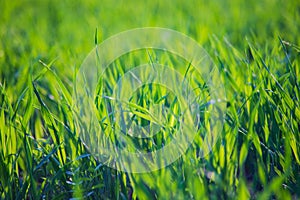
(255,47)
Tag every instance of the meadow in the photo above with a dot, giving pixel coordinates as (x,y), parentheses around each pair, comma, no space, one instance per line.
(255,45)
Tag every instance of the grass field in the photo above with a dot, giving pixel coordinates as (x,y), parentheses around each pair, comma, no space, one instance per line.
(255,46)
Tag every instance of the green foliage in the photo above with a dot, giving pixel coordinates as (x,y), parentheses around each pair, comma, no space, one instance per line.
(255,45)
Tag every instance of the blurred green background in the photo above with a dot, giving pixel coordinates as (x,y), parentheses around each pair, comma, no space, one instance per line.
(255,45)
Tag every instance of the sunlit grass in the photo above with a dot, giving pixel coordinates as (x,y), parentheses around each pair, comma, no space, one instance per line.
(255,46)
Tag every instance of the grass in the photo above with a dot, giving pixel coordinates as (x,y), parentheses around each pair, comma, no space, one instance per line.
(255,46)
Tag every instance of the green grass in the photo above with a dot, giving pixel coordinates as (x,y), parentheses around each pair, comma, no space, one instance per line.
(254,44)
